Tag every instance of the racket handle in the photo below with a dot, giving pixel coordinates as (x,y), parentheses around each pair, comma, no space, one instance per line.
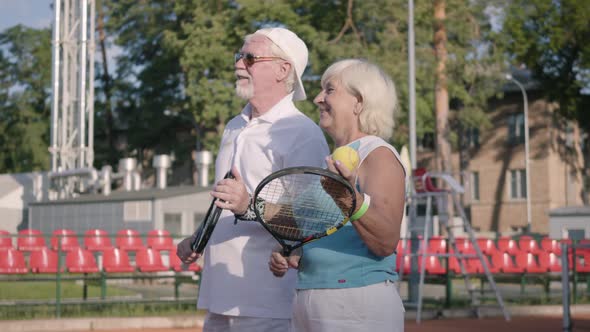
(286,251)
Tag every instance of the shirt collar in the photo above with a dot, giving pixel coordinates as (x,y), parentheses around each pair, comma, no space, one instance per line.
(272,114)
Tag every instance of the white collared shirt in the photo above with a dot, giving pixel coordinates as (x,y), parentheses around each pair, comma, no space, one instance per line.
(236,279)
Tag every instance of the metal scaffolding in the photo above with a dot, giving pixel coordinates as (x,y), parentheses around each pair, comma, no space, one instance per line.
(72,108)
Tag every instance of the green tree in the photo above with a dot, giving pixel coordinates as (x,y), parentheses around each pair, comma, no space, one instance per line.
(25,90)
(178,57)
(552,38)
(148,79)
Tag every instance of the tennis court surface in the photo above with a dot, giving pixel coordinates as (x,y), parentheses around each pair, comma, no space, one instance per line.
(496,324)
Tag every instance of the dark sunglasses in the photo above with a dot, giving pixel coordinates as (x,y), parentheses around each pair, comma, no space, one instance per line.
(250,59)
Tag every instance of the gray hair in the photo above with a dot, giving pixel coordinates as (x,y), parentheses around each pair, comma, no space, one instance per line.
(275,50)
(373,87)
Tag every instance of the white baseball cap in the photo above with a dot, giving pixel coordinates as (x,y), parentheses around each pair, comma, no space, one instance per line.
(295,50)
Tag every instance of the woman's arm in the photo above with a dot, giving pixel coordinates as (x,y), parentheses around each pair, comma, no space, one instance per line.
(382,177)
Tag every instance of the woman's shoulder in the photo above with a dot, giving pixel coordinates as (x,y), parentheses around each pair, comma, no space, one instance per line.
(367,144)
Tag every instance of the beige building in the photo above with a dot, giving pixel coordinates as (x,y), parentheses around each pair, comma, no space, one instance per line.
(494,169)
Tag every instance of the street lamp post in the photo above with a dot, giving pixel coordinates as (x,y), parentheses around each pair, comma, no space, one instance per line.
(526,150)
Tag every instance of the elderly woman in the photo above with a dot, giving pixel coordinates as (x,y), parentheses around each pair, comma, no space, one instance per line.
(346,280)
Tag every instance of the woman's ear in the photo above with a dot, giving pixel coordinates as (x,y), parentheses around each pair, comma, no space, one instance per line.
(358,107)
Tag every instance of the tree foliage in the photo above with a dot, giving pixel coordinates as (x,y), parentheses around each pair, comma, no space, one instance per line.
(174,64)
(552,38)
(25,77)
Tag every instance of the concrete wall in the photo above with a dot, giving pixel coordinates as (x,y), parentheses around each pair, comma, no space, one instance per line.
(572,218)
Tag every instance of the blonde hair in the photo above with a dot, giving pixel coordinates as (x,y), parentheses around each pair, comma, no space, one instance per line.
(373,87)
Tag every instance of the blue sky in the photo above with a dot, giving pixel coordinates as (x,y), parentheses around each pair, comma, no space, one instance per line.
(32,13)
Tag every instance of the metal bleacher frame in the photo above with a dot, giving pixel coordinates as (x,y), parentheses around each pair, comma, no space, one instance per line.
(425,192)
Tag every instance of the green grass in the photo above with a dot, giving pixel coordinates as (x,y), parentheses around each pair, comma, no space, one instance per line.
(144,309)
(45,290)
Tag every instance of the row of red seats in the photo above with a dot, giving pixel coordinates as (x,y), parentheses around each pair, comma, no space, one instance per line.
(499,263)
(78,260)
(506,257)
(527,244)
(93,240)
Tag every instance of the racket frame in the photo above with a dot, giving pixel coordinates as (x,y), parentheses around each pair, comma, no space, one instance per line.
(288,248)
(203,233)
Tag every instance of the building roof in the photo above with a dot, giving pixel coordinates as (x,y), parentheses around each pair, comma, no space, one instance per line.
(115,196)
(570,211)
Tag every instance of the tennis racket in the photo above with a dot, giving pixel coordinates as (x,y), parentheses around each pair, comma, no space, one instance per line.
(203,233)
(298,205)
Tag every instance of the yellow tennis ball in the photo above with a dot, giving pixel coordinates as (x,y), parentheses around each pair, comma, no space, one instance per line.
(347,156)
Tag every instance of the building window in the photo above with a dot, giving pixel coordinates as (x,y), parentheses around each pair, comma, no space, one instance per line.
(173,223)
(472,137)
(137,211)
(475,186)
(518,184)
(516,128)
(576,234)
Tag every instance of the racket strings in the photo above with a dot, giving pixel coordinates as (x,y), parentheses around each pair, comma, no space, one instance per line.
(301,205)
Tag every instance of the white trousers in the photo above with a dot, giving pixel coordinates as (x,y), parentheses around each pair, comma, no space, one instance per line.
(223,323)
(374,308)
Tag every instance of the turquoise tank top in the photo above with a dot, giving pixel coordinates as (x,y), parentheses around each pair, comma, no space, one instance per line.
(342,260)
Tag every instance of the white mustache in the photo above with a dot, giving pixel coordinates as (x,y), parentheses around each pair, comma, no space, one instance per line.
(241,74)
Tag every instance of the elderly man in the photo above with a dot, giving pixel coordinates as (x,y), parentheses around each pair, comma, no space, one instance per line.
(269,134)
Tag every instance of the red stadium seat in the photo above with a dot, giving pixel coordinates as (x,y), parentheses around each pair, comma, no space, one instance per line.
(406,261)
(437,245)
(487,246)
(64,240)
(81,261)
(551,245)
(477,265)
(503,260)
(5,240)
(12,261)
(586,249)
(529,244)
(30,240)
(550,261)
(529,261)
(44,261)
(116,260)
(149,260)
(508,245)
(129,239)
(177,265)
(583,263)
(464,245)
(399,249)
(453,265)
(97,240)
(160,240)
(433,265)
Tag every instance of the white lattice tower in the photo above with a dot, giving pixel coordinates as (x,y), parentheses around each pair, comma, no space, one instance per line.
(72,108)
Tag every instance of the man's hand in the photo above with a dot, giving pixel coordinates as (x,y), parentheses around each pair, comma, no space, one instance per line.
(185,252)
(232,194)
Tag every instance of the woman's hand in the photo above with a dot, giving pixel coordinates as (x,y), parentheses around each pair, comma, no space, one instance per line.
(279,264)
(337,167)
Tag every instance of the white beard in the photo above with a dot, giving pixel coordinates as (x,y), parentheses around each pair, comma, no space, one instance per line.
(245,92)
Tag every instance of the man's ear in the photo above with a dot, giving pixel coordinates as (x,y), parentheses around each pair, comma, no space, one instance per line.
(283,71)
